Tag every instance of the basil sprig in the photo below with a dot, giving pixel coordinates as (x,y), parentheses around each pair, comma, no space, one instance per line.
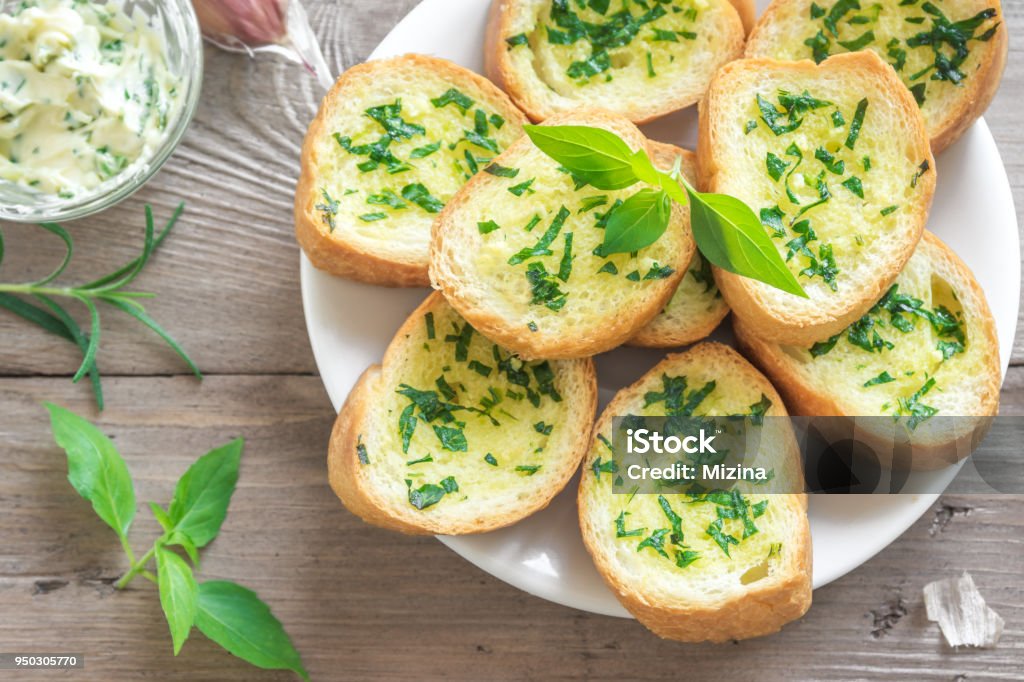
(225,612)
(727,232)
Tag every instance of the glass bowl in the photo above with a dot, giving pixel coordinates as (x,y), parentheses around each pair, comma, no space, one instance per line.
(176,20)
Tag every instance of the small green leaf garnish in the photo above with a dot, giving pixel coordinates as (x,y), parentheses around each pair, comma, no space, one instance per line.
(454,96)
(516,40)
(883,378)
(856,124)
(418,194)
(620,526)
(488,227)
(501,171)
(523,188)
(528,469)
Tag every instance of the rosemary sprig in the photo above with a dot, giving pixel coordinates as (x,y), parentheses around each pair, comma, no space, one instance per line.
(37,301)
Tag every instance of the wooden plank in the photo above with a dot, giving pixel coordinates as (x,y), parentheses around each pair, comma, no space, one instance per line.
(228,279)
(363,603)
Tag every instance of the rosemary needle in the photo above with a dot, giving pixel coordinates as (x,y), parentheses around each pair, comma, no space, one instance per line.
(42,306)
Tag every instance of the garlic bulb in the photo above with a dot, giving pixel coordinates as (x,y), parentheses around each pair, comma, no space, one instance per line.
(250,26)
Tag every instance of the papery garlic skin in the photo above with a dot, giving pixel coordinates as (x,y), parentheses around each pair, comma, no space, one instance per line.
(279,26)
(243,23)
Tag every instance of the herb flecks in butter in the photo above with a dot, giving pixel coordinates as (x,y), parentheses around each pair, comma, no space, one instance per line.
(85,93)
(606,31)
(942,44)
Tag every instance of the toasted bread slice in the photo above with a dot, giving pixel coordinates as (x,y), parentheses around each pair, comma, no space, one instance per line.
(393,141)
(835,159)
(760,585)
(932,336)
(454,435)
(953,79)
(640,60)
(697,307)
(515,255)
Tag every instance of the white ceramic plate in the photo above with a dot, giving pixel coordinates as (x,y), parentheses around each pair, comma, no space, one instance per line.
(351,324)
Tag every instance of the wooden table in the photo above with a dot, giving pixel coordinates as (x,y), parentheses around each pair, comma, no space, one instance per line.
(362,603)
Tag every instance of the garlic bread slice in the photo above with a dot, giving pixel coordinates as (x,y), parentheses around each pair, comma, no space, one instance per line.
(516,252)
(700,567)
(928,347)
(393,141)
(641,60)
(949,53)
(834,159)
(453,434)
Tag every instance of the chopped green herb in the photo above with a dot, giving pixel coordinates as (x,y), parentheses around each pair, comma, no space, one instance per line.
(541,427)
(452,438)
(480,368)
(853,184)
(489,458)
(371,217)
(659,272)
(425,496)
(516,40)
(544,287)
(590,203)
(889,209)
(418,194)
(655,541)
(565,265)
(424,151)
(386,198)
(429,318)
(501,171)
(883,378)
(488,227)
(528,469)
(522,188)
(453,96)
(609,268)
(857,123)
(328,209)
(776,166)
(837,167)
(620,527)
(421,460)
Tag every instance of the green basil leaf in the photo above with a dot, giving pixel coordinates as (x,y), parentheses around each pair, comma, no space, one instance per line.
(594,155)
(161,516)
(671,185)
(644,168)
(179,595)
(638,222)
(730,236)
(203,493)
(176,537)
(235,618)
(95,469)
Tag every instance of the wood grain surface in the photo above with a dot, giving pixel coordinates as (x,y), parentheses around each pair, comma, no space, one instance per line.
(364,604)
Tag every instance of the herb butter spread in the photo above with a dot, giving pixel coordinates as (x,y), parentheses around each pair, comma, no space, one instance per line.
(935,46)
(85,92)
(594,43)
(467,419)
(822,172)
